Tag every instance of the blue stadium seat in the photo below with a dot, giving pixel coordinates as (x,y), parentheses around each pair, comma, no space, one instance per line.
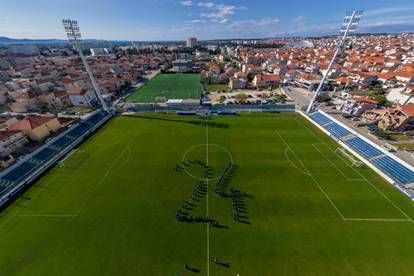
(61,142)
(94,119)
(337,130)
(19,172)
(15,175)
(386,164)
(320,118)
(363,148)
(395,170)
(44,154)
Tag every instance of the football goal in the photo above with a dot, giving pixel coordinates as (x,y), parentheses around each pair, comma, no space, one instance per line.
(350,157)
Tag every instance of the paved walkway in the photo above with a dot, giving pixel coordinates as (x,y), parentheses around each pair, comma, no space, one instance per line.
(301,96)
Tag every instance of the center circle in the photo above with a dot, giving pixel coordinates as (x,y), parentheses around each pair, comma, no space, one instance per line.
(214,156)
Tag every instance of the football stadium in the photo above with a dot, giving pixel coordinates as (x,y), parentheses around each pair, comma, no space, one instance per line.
(248,194)
(169,86)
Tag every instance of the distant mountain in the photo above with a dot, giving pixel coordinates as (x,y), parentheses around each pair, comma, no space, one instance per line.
(8,41)
(15,41)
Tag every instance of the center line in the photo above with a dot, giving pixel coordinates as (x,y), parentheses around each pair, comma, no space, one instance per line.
(208,225)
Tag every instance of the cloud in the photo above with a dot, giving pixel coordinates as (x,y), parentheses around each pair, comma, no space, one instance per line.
(221,11)
(207,5)
(186,2)
(299,18)
(195,21)
(255,23)
(268,21)
(221,21)
(181,29)
(388,10)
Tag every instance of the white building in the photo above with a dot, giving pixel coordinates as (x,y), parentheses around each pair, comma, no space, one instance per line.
(400,96)
(237,83)
(191,42)
(182,65)
(357,105)
(99,51)
(10,141)
(82,97)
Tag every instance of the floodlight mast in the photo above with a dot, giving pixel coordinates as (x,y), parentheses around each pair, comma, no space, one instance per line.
(74,36)
(350,23)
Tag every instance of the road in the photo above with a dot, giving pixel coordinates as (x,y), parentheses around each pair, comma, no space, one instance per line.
(301,96)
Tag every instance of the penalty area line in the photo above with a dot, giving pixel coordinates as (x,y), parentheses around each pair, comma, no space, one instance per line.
(378,220)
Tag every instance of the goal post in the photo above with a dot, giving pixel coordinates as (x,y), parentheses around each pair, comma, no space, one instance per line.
(354,162)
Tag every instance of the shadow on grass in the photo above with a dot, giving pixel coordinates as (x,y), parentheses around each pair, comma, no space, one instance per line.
(199,122)
(192,269)
(220,226)
(226,265)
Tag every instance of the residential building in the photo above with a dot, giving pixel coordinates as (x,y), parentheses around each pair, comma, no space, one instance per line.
(11,141)
(182,66)
(191,42)
(82,97)
(36,127)
(266,81)
(237,83)
(392,119)
(357,105)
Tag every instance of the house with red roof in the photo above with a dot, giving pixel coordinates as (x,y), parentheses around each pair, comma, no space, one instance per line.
(308,81)
(266,81)
(36,127)
(392,119)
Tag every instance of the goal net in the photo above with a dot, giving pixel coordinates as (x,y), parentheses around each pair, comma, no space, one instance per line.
(350,157)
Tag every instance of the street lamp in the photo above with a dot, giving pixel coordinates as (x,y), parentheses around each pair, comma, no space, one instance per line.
(349,25)
(74,36)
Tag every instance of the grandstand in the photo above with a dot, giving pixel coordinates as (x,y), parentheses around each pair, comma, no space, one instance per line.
(22,173)
(397,171)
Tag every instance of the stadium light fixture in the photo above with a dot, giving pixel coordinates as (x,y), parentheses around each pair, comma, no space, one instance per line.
(74,36)
(349,25)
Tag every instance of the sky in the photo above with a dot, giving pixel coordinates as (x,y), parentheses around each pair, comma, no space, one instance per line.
(149,20)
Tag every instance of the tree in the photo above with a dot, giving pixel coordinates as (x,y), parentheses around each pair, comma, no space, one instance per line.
(241,98)
(324,97)
(87,52)
(382,134)
(378,94)
(222,99)
(281,98)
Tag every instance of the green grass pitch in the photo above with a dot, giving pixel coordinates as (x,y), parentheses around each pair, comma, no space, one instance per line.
(111,210)
(169,86)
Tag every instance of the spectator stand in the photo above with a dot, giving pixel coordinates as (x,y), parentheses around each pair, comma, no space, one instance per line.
(24,172)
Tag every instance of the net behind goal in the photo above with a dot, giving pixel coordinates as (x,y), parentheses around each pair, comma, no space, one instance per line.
(350,157)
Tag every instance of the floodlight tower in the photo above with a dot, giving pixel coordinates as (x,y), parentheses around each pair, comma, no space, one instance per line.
(349,25)
(74,36)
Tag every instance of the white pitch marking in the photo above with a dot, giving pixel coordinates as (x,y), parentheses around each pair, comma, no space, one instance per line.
(291,162)
(362,176)
(34,196)
(108,172)
(339,169)
(50,216)
(313,179)
(376,219)
(207,211)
